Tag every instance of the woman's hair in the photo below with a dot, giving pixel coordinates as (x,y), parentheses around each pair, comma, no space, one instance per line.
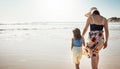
(76,33)
(96,12)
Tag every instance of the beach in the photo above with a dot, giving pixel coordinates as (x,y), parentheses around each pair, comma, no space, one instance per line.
(47,46)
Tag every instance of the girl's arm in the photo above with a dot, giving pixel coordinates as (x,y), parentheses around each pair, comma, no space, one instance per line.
(106,33)
(72,44)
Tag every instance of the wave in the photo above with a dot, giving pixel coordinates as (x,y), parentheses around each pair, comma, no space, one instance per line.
(50,26)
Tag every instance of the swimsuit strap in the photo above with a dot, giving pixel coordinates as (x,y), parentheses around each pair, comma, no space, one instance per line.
(92,19)
(103,21)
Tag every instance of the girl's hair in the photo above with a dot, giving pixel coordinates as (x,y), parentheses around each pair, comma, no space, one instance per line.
(76,33)
(96,12)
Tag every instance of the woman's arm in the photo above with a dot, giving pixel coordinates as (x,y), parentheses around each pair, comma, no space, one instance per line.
(83,41)
(88,14)
(86,27)
(106,33)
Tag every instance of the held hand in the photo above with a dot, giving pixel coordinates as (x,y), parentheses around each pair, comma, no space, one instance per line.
(105,45)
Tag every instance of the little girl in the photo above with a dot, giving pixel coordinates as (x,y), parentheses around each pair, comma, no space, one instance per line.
(76,47)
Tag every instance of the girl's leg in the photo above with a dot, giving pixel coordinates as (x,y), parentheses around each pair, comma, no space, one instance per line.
(77,66)
(94,60)
(78,63)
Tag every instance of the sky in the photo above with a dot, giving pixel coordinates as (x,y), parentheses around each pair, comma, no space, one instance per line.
(12,11)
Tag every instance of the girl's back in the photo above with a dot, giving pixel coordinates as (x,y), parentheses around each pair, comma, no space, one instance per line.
(77,42)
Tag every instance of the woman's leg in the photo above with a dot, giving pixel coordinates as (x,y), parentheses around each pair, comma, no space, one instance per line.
(94,60)
(97,59)
(95,56)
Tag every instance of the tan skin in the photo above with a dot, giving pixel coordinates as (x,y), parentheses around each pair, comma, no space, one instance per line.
(98,21)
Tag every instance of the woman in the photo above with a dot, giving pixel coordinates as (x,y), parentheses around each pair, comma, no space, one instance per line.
(96,37)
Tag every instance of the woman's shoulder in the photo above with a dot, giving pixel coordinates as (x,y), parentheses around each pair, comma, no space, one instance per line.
(89,19)
(103,18)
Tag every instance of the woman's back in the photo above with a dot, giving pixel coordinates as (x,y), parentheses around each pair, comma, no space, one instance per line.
(96,23)
(97,19)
